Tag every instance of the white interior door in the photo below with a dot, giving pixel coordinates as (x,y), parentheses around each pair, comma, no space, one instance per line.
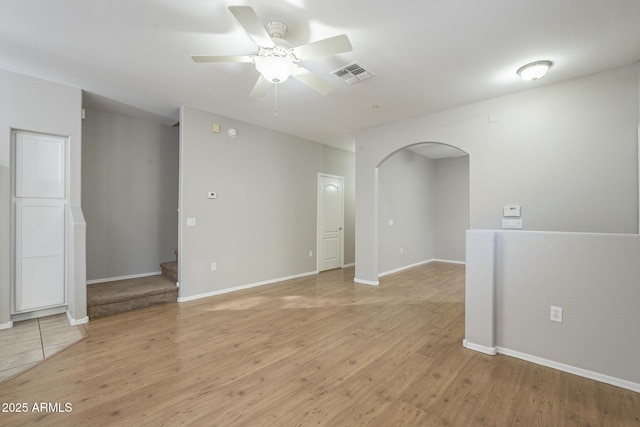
(330,221)
(39,206)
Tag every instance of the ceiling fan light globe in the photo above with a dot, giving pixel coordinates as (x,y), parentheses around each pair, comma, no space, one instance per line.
(275,69)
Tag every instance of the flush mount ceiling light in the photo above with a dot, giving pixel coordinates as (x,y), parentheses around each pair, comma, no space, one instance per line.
(534,70)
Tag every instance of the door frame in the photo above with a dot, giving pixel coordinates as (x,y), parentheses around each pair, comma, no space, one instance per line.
(319,215)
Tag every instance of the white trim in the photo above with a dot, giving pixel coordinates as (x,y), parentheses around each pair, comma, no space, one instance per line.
(74,322)
(366,282)
(241,287)
(132,276)
(618,382)
(27,315)
(7,325)
(351,264)
(481,348)
(406,267)
(449,261)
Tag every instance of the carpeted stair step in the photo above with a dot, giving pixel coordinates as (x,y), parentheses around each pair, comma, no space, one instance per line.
(105,299)
(170,270)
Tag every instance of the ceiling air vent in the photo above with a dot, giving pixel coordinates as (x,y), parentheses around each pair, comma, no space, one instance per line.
(352,73)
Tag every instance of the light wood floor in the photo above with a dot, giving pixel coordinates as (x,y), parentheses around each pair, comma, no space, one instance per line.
(314,351)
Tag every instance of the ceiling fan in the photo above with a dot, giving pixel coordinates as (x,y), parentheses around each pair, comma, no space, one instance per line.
(274,60)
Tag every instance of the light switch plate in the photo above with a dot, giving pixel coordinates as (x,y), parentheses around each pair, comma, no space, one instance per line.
(512,223)
(191,222)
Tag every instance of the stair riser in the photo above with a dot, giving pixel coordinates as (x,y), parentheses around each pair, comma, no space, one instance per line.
(170,270)
(131,304)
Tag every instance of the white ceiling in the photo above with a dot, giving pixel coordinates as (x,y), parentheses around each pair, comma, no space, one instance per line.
(427,55)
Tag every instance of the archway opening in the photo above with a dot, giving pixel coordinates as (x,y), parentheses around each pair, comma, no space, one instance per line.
(423,206)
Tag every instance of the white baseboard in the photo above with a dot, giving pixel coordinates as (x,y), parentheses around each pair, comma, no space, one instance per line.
(351,264)
(7,325)
(366,282)
(618,382)
(39,313)
(74,322)
(405,267)
(481,348)
(449,261)
(132,276)
(239,288)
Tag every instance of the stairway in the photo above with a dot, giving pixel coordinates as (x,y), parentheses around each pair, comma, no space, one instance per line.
(119,296)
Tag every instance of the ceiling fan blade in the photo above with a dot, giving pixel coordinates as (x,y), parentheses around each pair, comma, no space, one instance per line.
(247,17)
(313,81)
(325,47)
(234,58)
(261,87)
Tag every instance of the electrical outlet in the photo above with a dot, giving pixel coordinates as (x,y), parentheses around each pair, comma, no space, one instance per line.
(556,313)
(214,267)
(310,254)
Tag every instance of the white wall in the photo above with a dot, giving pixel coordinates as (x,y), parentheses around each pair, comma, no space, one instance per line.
(262,225)
(129,194)
(407,197)
(567,153)
(40,106)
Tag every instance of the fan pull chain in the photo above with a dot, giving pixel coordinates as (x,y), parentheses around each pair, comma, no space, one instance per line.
(275,109)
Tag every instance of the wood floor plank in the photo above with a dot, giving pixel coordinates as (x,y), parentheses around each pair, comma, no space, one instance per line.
(319,350)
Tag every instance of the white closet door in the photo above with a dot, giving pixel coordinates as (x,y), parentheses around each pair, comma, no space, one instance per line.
(330,221)
(39,221)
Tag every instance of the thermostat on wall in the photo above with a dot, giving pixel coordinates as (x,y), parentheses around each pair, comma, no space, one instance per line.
(510,211)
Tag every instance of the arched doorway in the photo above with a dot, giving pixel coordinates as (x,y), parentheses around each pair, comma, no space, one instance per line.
(423,206)
(420,197)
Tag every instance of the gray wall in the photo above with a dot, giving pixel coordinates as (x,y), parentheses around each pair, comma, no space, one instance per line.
(594,278)
(262,225)
(566,152)
(343,163)
(129,194)
(451,208)
(406,196)
(428,201)
(40,106)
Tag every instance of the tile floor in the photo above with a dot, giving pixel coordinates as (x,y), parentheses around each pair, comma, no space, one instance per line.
(30,341)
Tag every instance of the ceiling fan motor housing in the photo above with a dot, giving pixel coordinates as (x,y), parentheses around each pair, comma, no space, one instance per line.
(276,29)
